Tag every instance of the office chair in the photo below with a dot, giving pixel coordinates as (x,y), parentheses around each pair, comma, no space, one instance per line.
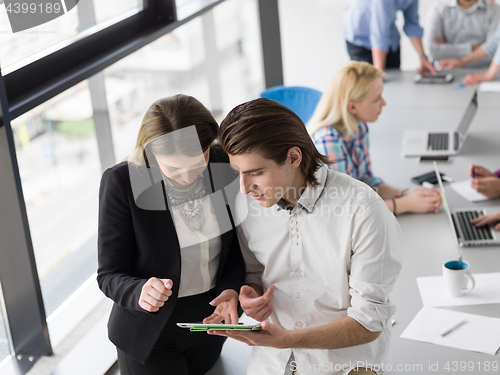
(301,100)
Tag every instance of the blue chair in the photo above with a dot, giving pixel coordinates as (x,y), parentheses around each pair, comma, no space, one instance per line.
(301,100)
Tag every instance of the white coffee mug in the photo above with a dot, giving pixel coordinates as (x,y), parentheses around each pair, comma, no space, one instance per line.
(456,277)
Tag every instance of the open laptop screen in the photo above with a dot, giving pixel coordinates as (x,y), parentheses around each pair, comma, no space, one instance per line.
(447,207)
(468,116)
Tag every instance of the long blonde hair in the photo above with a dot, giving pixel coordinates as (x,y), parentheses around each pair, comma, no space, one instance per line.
(350,82)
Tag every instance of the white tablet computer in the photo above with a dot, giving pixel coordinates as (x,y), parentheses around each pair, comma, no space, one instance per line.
(220,327)
(428,77)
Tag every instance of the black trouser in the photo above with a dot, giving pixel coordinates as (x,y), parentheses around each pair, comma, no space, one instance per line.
(178,350)
(358,53)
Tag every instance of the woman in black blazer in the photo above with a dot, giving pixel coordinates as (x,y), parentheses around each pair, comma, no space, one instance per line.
(167,248)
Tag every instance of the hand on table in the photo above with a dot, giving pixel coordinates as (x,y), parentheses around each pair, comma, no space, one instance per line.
(426,66)
(478,171)
(422,199)
(481,221)
(452,63)
(483,181)
(271,335)
(155,293)
(258,308)
(489,186)
(473,78)
(226,308)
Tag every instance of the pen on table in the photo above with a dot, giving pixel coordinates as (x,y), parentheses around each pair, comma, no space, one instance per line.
(453,328)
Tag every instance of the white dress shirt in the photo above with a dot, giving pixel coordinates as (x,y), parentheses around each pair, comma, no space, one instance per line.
(200,252)
(337,253)
(460,28)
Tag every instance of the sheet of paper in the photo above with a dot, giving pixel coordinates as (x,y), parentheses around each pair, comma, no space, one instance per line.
(433,291)
(465,190)
(477,334)
(490,86)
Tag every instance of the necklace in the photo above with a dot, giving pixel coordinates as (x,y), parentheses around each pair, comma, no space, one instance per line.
(189,203)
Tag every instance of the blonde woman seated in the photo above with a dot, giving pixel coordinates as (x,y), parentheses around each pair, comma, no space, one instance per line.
(339,130)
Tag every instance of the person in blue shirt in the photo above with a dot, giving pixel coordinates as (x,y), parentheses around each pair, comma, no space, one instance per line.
(372,36)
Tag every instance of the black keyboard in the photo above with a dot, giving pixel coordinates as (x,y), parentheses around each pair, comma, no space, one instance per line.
(438,141)
(470,231)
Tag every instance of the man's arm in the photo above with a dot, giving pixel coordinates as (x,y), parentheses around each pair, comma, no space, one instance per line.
(478,54)
(383,15)
(379,58)
(425,64)
(341,333)
(438,47)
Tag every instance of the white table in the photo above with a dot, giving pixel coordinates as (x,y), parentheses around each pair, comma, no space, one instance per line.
(428,238)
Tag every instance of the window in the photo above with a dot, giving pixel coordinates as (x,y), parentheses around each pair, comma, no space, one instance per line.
(21,48)
(60,170)
(5,345)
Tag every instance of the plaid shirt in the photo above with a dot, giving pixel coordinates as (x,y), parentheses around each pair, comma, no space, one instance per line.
(349,152)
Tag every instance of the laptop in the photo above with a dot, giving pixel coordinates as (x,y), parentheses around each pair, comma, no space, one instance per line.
(420,142)
(465,233)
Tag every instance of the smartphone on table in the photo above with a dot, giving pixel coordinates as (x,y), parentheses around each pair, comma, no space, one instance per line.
(429,179)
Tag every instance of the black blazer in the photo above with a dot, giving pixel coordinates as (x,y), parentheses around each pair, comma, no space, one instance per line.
(137,240)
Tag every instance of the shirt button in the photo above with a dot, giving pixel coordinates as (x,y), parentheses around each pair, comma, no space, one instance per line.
(294,230)
(298,295)
(296,243)
(294,215)
(299,324)
(295,237)
(204,243)
(309,206)
(294,223)
(299,270)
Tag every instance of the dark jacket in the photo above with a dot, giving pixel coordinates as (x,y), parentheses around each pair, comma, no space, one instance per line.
(137,240)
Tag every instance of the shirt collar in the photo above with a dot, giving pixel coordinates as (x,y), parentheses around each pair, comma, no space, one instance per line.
(311,195)
(477,4)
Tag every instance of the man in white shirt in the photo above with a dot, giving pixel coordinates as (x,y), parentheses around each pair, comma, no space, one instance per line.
(323,246)
(455,28)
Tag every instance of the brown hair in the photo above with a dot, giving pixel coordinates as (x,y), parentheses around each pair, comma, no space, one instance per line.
(271,129)
(170,114)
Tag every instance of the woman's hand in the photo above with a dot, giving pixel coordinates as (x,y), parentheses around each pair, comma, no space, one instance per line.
(421,199)
(155,293)
(226,308)
(489,186)
(473,78)
(481,221)
(478,171)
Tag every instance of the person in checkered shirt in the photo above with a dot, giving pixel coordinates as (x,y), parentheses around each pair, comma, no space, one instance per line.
(339,130)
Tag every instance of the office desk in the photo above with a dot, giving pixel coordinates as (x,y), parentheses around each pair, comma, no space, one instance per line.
(428,240)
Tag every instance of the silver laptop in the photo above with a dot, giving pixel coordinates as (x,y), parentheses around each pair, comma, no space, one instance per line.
(465,233)
(420,142)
